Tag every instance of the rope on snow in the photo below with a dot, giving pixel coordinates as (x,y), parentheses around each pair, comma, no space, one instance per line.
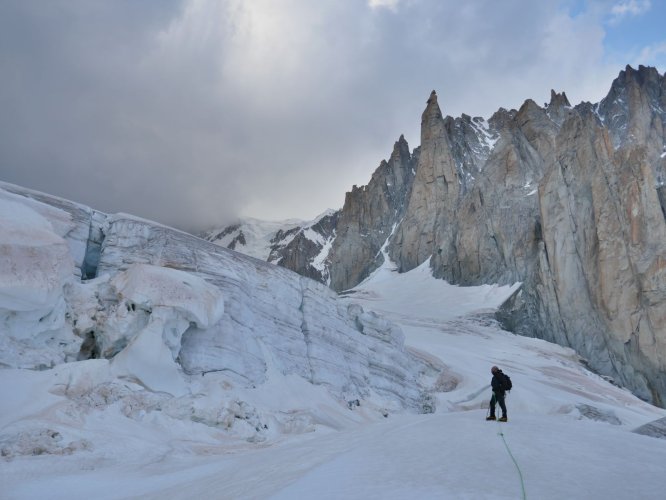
(520,473)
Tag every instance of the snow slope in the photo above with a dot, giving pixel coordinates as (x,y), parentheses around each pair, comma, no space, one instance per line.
(569,432)
(96,427)
(253,237)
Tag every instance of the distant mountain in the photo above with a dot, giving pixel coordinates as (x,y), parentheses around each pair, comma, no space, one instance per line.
(294,244)
(254,237)
(569,200)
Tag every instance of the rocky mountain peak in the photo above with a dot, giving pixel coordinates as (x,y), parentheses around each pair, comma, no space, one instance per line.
(643,75)
(539,126)
(400,149)
(634,111)
(558,99)
(559,107)
(432,121)
(502,118)
(631,82)
(529,110)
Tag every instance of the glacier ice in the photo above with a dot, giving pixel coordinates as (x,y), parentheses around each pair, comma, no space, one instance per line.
(179,325)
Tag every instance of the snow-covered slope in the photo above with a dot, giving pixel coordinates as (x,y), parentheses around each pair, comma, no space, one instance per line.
(254,237)
(247,410)
(298,245)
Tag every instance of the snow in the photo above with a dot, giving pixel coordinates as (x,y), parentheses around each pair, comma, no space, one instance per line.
(149,361)
(135,425)
(319,262)
(388,291)
(258,235)
(313,236)
(151,287)
(528,185)
(326,213)
(60,218)
(35,265)
(663,155)
(31,279)
(487,138)
(596,111)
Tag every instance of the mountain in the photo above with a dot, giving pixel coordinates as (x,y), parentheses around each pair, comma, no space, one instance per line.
(254,237)
(294,244)
(568,200)
(140,361)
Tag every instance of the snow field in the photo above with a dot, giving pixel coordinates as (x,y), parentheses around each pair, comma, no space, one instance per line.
(562,452)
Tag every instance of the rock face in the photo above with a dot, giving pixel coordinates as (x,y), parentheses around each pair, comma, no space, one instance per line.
(570,205)
(570,201)
(307,248)
(369,217)
(599,284)
(434,192)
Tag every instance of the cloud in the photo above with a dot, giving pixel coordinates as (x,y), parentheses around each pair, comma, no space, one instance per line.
(653,55)
(387,4)
(190,112)
(626,8)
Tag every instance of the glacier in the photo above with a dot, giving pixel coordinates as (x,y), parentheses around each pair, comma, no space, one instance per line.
(168,311)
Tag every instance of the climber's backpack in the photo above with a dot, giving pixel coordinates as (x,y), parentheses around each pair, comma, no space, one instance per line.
(506,382)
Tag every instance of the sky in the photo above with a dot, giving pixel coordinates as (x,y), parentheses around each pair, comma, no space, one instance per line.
(194,112)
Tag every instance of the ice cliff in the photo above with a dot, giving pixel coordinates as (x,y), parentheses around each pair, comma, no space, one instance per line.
(163,318)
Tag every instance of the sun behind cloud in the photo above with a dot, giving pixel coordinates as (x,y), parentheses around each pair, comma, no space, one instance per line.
(387,4)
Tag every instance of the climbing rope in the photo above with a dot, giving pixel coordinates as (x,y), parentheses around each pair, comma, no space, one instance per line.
(520,474)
